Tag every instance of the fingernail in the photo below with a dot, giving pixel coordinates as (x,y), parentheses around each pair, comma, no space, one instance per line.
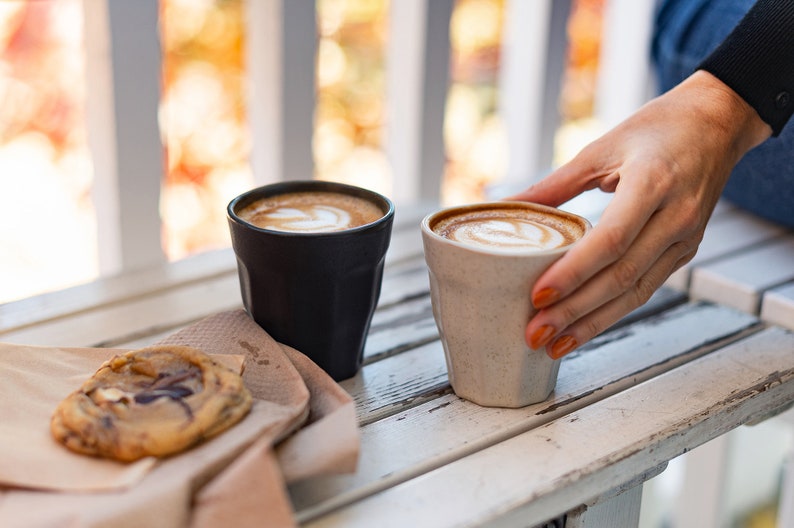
(541,336)
(545,297)
(562,346)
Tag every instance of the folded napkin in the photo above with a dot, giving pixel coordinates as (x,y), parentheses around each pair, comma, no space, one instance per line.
(235,477)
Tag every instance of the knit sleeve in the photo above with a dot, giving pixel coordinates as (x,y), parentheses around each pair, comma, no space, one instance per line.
(757,61)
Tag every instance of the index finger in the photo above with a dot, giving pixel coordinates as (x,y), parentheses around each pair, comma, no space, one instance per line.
(622,220)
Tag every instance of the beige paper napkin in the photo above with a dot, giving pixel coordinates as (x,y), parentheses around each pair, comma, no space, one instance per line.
(216,479)
(34,380)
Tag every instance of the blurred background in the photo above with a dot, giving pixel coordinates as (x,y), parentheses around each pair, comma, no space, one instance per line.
(47,219)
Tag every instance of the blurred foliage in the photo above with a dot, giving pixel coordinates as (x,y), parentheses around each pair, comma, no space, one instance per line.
(45,168)
(203,110)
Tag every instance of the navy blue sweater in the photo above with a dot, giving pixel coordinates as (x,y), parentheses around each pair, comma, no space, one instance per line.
(757,61)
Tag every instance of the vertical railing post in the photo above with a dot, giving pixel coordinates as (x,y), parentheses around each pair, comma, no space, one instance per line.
(281,46)
(624,70)
(123,64)
(534,51)
(418,79)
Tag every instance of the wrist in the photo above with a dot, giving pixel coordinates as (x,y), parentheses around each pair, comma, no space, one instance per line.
(726,112)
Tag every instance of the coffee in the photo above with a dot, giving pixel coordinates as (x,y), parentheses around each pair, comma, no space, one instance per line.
(507,227)
(483,261)
(310,212)
(310,258)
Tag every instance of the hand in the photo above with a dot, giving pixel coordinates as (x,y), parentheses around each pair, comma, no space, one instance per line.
(666,165)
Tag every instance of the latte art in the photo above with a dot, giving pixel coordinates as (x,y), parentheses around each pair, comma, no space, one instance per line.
(308,219)
(514,233)
(510,227)
(310,212)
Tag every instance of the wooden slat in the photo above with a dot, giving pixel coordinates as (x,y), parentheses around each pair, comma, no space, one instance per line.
(414,425)
(778,306)
(404,280)
(405,251)
(533,476)
(115,289)
(399,327)
(741,280)
(726,234)
(134,318)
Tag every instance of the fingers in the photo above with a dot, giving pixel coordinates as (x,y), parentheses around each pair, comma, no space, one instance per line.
(570,180)
(619,226)
(600,303)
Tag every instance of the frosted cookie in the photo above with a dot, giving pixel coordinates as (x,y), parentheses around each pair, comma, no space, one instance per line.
(155,401)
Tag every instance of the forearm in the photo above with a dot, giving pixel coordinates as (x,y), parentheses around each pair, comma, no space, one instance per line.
(730,117)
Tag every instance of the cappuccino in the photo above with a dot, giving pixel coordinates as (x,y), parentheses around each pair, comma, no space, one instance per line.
(507,227)
(310,258)
(310,212)
(483,261)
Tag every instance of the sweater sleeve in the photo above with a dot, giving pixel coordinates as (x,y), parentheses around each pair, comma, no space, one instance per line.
(757,61)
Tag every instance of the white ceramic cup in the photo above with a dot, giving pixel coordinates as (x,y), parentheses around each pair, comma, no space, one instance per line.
(481,297)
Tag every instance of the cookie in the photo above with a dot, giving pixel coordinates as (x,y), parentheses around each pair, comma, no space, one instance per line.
(155,401)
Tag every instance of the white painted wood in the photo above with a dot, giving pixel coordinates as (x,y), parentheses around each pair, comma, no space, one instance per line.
(405,255)
(624,71)
(106,325)
(281,50)
(533,56)
(741,280)
(778,306)
(123,64)
(699,502)
(405,279)
(535,475)
(411,424)
(620,511)
(726,234)
(785,513)
(418,79)
(115,289)
(405,440)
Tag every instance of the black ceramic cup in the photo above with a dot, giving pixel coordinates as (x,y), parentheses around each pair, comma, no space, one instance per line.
(315,292)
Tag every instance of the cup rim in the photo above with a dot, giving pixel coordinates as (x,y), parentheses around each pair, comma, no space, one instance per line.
(428,232)
(306,185)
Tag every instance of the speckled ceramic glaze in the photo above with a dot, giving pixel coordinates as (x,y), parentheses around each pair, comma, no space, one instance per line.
(314,291)
(481,304)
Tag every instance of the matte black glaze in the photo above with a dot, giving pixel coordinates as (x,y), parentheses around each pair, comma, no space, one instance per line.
(315,292)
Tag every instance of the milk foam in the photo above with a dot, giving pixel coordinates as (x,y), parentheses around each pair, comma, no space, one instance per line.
(310,212)
(310,218)
(507,227)
(507,233)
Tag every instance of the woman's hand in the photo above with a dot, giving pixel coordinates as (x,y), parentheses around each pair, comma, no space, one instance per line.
(666,165)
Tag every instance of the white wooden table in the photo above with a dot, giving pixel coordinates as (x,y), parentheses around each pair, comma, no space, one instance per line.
(670,377)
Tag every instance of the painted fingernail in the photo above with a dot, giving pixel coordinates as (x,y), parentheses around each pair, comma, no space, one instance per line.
(545,297)
(541,336)
(562,346)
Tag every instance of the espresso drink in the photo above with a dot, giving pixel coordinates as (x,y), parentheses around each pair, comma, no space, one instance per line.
(507,228)
(483,261)
(310,212)
(310,258)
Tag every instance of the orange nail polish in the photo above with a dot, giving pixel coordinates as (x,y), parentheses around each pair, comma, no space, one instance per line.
(562,346)
(545,297)
(541,336)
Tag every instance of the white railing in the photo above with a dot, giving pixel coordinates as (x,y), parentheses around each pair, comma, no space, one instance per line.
(124,65)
